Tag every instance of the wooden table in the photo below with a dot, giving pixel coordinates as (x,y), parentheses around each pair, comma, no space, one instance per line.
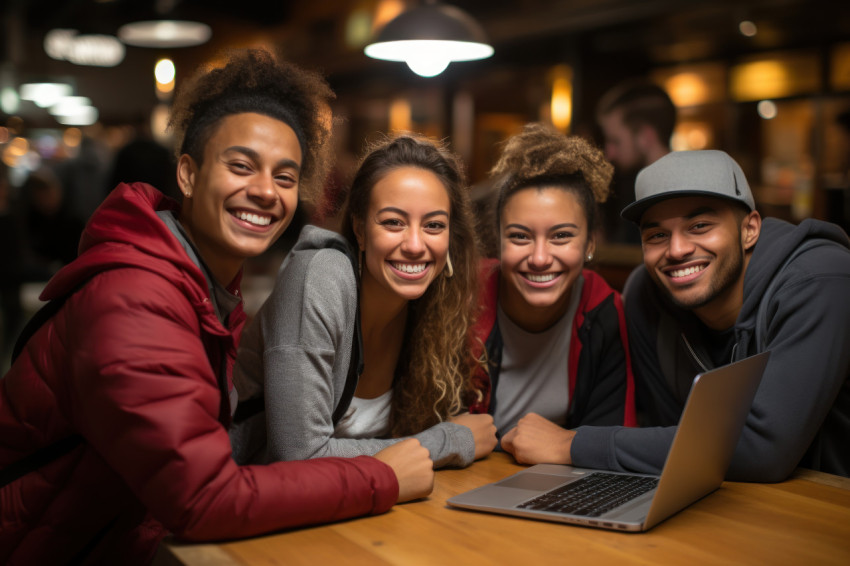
(804,521)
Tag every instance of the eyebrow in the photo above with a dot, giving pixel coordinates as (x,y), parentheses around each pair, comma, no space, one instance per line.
(699,211)
(288,163)
(551,228)
(406,215)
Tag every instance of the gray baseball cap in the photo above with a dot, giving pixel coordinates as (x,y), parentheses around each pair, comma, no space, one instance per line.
(707,172)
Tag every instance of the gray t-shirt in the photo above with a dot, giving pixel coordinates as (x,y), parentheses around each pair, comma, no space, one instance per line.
(534,375)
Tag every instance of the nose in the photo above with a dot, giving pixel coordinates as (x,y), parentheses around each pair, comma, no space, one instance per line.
(540,257)
(262,188)
(412,243)
(680,246)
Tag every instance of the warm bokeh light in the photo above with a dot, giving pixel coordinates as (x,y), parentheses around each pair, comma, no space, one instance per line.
(19,146)
(386,11)
(687,89)
(776,76)
(748,28)
(400,115)
(164,71)
(690,135)
(839,72)
(72,137)
(159,124)
(767,109)
(562,98)
(358,26)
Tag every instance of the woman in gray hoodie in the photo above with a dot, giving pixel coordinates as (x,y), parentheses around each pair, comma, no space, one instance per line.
(363,341)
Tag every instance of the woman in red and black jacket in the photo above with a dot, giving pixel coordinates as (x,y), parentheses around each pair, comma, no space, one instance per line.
(550,335)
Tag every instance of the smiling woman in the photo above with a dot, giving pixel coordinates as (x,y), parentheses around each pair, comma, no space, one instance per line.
(551,336)
(374,343)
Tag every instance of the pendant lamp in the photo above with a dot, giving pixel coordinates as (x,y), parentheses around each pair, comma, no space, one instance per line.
(429,37)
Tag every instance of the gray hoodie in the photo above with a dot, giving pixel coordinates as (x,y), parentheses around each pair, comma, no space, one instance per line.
(301,352)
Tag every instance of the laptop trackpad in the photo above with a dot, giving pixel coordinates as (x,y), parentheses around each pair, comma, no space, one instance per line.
(531,480)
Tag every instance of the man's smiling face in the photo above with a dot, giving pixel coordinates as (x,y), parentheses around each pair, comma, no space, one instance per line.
(694,251)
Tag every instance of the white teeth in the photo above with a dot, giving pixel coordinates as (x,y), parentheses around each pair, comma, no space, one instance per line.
(687,271)
(254,218)
(410,267)
(540,278)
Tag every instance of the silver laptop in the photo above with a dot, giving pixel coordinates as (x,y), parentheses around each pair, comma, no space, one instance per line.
(708,431)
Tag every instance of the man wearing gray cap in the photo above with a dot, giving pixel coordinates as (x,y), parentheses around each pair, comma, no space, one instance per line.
(719,284)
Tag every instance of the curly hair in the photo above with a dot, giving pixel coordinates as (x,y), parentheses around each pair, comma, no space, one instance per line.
(540,156)
(435,362)
(254,81)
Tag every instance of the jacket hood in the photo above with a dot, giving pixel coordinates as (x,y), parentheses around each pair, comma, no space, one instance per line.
(777,241)
(125,231)
(315,238)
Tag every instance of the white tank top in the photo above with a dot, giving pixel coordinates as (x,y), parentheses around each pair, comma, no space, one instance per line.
(366,418)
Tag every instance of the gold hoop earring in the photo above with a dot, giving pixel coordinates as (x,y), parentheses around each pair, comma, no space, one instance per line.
(450,270)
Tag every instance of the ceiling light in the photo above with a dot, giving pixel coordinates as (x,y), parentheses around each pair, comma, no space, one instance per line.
(70,105)
(45,94)
(96,50)
(164,33)
(9,100)
(85,116)
(429,37)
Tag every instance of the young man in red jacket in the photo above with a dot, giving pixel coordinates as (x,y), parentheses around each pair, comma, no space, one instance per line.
(114,417)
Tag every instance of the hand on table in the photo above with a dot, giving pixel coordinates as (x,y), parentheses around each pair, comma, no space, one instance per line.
(535,440)
(483,431)
(413,468)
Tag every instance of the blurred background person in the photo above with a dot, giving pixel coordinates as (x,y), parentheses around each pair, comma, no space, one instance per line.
(637,118)
(52,231)
(143,159)
(11,258)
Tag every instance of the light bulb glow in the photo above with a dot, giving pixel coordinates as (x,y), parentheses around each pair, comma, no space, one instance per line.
(428,58)
(428,65)
(164,71)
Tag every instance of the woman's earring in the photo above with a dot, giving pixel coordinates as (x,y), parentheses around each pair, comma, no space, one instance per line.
(589,257)
(450,270)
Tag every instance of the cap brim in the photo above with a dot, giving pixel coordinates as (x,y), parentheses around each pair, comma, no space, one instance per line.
(634,211)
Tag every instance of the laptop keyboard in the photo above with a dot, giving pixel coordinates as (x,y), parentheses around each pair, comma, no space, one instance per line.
(592,495)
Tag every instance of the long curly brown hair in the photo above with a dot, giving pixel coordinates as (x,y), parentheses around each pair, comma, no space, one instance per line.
(540,156)
(253,80)
(435,361)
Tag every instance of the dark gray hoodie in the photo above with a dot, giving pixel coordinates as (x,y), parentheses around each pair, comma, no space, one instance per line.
(796,304)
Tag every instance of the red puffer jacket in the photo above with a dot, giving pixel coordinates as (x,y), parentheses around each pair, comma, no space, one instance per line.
(130,362)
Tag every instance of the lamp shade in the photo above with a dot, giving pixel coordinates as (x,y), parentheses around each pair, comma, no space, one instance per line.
(429,37)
